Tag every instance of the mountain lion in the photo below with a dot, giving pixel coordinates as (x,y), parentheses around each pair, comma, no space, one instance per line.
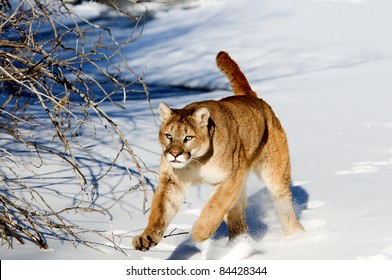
(219,143)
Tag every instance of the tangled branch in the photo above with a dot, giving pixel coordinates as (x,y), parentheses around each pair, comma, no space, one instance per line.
(68,67)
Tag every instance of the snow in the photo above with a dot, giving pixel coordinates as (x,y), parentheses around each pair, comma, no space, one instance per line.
(324,67)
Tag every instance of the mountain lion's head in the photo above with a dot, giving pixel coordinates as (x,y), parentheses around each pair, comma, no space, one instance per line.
(183,134)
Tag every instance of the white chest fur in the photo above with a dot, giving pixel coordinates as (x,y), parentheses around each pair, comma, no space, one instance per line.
(194,174)
(212,174)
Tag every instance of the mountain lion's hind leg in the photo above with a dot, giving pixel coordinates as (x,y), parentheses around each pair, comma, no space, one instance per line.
(278,184)
(274,168)
(236,218)
(282,197)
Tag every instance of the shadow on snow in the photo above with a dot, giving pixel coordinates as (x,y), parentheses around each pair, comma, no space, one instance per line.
(259,205)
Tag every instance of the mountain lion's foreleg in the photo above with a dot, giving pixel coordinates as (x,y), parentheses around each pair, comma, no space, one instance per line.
(223,198)
(164,207)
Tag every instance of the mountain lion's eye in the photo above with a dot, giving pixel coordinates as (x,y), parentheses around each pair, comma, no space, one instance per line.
(169,136)
(188,138)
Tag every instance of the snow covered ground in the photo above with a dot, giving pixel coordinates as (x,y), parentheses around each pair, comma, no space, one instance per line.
(325,68)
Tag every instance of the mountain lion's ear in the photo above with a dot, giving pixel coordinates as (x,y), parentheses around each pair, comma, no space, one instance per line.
(165,112)
(202,115)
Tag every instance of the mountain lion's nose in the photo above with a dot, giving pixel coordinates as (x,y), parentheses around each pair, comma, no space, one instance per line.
(175,153)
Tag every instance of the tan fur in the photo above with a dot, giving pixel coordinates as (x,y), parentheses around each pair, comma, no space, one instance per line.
(219,143)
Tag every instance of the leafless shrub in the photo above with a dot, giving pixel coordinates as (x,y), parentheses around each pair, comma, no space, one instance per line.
(49,60)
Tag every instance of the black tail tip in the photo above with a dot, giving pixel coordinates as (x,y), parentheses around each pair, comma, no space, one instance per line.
(222,54)
(223,58)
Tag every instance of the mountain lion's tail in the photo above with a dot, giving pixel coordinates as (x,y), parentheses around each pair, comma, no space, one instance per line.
(237,79)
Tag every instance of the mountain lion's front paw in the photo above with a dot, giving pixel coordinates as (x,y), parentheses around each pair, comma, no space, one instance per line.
(146,240)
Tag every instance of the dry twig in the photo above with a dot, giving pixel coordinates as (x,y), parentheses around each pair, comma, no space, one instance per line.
(48,59)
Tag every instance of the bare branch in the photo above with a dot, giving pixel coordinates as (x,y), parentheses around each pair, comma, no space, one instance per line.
(49,57)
